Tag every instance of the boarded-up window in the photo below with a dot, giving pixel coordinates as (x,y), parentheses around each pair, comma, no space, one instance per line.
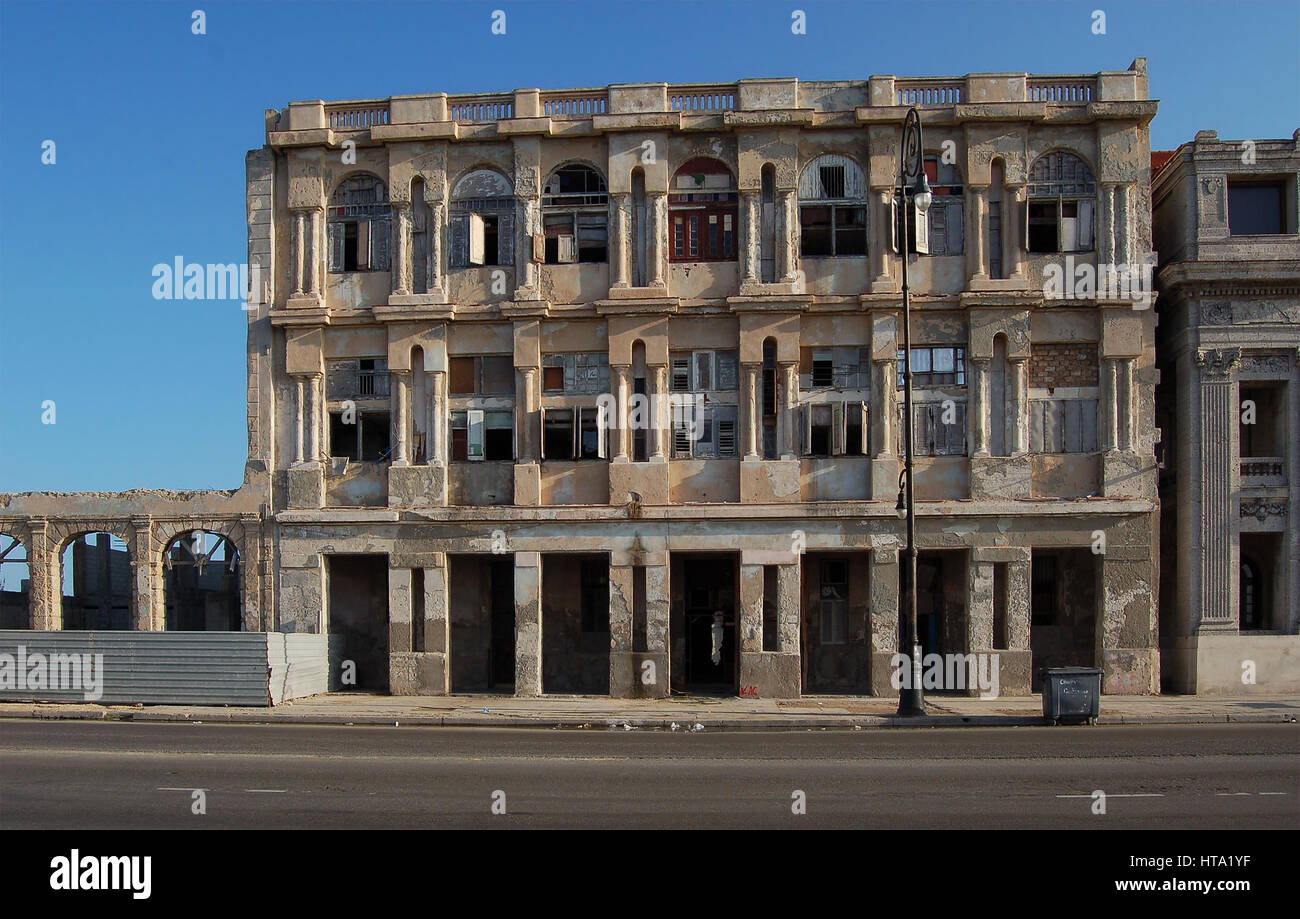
(939,428)
(1063,425)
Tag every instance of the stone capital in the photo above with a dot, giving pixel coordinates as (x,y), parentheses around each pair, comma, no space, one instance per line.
(1218,365)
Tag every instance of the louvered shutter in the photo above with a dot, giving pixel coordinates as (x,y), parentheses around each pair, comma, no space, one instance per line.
(956,217)
(336,246)
(506,240)
(379,230)
(458,231)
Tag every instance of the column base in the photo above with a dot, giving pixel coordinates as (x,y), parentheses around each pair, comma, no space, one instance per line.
(307,485)
(769,675)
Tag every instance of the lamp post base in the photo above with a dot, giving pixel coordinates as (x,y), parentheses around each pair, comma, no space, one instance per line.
(911,703)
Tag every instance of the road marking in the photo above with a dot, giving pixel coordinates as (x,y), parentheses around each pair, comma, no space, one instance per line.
(1272,792)
(180,789)
(1113,796)
(1232,794)
(266,791)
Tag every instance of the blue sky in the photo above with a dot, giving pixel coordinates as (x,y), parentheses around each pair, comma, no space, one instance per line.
(151,123)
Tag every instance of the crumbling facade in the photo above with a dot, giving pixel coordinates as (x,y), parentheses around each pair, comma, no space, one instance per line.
(598,390)
(1229,407)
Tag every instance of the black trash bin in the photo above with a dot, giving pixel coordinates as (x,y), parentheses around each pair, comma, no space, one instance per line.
(1071,694)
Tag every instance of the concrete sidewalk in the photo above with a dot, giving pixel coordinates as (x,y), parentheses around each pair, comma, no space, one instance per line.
(681,713)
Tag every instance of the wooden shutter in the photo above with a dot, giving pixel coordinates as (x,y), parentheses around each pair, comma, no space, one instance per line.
(805,425)
(681,381)
(475,239)
(683,420)
(956,432)
(921,224)
(458,231)
(363,244)
(866,429)
(602,431)
(956,217)
(379,230)
(506,240)
(541,432)
(1085,226)
(839,428)
(336,246)
(938,235)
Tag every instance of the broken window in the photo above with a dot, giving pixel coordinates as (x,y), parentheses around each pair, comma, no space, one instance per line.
(575,215)
(15,583)
(946,215)
(481,220)
(581,372)
(703,212)
(360,435)
(836,367)
(1063,425)
(837,428)
(491,374)
(201,584)
(1060,205)
(941,366)
(479,434)
(832,208)
(357,378)
(97,583)
(938,428)
(360,219)
(1256,208)
(579,433)
(704,371)
(705,430)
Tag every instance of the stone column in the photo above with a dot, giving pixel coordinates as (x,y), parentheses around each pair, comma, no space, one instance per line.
(751,413)
(659,408)
(1125,407)
(44,607)
(525,266)
(1106,224)
(787,239)
(250,573)
(622,434)
(1013,242)
(620,610)
(401,400)
(1218,417)
(979,609)
(1017,398)
(620,238)
(1123,243)
(399,610)
(976,241)
(788,373)
(657,605)
(884,617)
(437,623)
(1127,649)
(299,417)
(314,417)
(433,264)
(299,249)
(979,414)
(314,258)
(528,624)
(437,410)
(1018,606)
(880,244)
(402,255)
(145,564)
(657,214)
(884,408)
(1107,409)
(751,246)
(789,609)
(749,630)
(525,410)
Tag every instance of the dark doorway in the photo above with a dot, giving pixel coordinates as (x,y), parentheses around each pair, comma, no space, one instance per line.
(1063,610)
(708,619)
(358,622)
(482,601)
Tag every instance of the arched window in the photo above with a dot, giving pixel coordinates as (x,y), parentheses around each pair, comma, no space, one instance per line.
(15,583)
(575,215)
(201,583)
(832,207)
(482,220)
(359,220)
(945,217)
(702,212)
(1061,204)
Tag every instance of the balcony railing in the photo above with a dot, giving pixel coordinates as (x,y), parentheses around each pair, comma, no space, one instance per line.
(929,92)
(1068,91)
(480,109)
(701,99)
(372,383)
(357,116)
(575,103)
(1263,471)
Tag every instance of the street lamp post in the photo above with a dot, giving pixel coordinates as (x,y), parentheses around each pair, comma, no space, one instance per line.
(911,168)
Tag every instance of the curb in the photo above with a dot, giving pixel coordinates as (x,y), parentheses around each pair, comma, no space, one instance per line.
(662,724)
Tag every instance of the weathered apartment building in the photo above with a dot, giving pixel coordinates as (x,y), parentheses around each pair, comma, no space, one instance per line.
(599,390)
(1229,345)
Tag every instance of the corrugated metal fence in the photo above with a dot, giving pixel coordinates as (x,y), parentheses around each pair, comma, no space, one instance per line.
(161,668)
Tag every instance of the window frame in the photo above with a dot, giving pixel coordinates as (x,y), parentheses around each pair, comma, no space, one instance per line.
(370,221)
(814,195)
(1079,189)
(691,213)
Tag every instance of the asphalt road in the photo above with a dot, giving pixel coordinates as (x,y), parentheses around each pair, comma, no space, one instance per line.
(78,775)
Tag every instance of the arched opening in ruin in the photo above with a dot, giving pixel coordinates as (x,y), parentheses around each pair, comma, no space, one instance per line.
(15,584)
(201,583)
(97,583)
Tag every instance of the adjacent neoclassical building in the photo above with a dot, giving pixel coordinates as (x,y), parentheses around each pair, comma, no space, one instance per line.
(598,391)
(1225,215)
